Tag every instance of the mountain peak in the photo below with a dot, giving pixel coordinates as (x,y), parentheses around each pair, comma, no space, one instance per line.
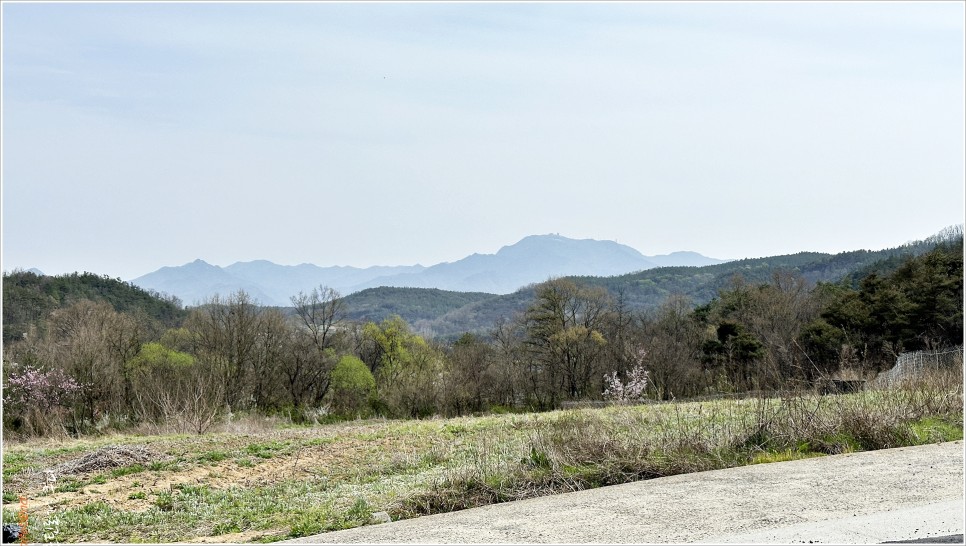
(579,249)
(534,258)
(199,265)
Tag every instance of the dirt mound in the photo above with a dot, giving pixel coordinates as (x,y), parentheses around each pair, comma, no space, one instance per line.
(106,458)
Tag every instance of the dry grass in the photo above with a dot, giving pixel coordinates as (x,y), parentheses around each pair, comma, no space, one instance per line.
(254,482)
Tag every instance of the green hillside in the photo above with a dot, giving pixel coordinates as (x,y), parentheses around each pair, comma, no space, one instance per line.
(649,288)
(412,304)
(29,298)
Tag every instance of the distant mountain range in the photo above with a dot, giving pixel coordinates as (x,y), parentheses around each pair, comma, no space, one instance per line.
(533,259)
(264,281)
(443,314)
(446,315)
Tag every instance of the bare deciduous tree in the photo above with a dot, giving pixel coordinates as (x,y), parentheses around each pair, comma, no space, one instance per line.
(320,313)
(226,338)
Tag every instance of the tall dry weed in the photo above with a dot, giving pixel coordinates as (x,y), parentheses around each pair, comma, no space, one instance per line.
(580,449)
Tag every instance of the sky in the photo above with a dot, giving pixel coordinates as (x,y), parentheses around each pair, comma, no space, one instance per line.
(143,135)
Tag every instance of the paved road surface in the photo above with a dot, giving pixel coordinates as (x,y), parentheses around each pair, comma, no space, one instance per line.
(904,494)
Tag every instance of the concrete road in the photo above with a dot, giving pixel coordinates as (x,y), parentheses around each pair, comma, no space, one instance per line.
(904,494)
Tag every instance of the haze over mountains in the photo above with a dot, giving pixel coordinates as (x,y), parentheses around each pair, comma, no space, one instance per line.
(533,259)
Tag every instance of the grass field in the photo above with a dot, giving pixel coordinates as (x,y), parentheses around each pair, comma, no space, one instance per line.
(262,481)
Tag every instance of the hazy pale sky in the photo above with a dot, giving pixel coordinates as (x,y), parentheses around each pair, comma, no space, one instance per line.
(142,135)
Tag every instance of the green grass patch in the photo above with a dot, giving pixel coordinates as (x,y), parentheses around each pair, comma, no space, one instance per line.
(69,485)
(782,456)
(212,456)
(10,516)
(13,463)
(164,501)
(930,430)
(127,470)
(310,522)
(64,450)
(266,450)
(245,462)
(160,466)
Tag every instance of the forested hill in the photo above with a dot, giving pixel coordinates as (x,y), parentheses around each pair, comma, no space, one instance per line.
(414,304)
(28,298)
(648,289)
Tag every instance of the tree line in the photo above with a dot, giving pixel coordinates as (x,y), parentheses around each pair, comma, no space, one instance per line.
(92,364)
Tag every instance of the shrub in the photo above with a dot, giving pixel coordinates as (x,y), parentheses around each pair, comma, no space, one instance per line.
(632,391)
(37,400)
(352,387)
